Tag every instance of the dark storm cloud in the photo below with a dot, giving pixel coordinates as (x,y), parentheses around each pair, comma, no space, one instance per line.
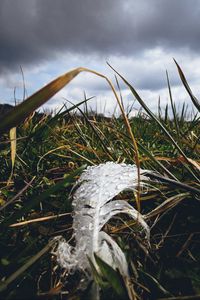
(32,30)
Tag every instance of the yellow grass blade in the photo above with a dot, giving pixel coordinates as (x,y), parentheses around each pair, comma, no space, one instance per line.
(13,145)
(20,112)
(13,149)
(42,219)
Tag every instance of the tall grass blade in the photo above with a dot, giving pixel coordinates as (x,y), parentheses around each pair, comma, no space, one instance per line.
(187,87)
(172,105)
(166,118)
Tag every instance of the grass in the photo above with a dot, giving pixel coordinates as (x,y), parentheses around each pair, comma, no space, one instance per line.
(40,166)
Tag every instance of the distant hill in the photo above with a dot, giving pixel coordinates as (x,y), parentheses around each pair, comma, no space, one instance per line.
(4,108)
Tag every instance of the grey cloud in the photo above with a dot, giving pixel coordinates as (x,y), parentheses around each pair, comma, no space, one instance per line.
(32,30)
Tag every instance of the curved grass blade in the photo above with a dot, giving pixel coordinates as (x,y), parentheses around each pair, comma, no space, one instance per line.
(155,284)
(166,205)
(20,112)
(187,87)
(175,183)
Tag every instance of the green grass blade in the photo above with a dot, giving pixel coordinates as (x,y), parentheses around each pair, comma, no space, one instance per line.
(172,105)
(166,118)
(187,87)
(113,277)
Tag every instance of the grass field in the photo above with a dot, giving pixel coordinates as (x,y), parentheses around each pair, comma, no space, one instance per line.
(42,156)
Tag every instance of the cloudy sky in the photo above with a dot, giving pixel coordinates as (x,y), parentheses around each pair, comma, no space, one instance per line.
(139,38)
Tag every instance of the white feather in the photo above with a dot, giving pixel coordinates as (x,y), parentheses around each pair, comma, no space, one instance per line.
(93,208)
